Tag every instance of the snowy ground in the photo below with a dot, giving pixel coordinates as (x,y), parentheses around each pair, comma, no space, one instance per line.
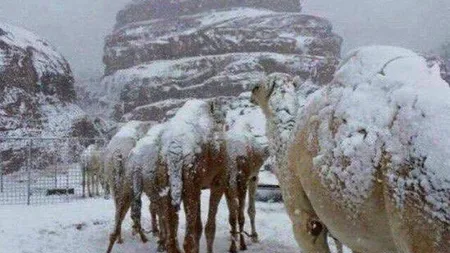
(84,226)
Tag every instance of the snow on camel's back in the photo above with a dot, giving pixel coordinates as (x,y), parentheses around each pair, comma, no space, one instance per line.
(120,179)
(371,152)
(194,159)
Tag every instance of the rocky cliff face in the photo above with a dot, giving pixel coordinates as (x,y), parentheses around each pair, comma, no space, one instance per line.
(143,10)
(36,95)
(164,52)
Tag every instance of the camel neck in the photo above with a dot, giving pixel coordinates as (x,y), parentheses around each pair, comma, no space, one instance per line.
(280,131)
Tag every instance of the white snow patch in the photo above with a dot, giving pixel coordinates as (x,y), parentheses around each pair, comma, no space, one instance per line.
(53,229)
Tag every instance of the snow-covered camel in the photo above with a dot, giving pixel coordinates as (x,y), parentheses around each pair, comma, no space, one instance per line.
(92,167)
(120,180)
(278,97)
(144,160)
(246,152)
(372,152)
(193,155)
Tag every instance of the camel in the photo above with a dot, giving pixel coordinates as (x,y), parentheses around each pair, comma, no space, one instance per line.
(120,179)
(91,166)
(371,152)
(143,160)
(146,157)
(248,165)
(278,99)
(193,158)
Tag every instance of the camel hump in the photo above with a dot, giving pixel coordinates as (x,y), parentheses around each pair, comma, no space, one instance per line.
(385,100)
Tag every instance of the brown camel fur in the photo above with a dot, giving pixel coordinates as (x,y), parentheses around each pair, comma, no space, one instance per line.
(198,166)
(248,166)
(120,179)
(277,97)
(398,204)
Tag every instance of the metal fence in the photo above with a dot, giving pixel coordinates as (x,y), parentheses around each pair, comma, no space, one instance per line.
(42,170)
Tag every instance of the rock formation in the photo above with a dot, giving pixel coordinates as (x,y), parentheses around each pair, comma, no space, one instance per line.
(164,52)
(36,98)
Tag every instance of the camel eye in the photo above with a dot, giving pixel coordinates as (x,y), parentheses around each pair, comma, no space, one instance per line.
(255,89)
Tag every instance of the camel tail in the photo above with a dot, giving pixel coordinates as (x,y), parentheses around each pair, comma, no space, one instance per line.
(118,171)
(136,204)
(175,162)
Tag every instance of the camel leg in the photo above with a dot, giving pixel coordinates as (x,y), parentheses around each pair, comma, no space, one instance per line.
(88,184)
(122,206)
(168,216)
(171,226)
(162,227)
(136,204)
(153,211)
(93,184)
(157,211)
(107,190)
(191,200)
(97,185)
(251,207)
(230,195)
(136,207)
(199,222)
(242,191)
(210,230)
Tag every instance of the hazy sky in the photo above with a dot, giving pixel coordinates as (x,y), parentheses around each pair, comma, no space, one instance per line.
(77,27)
(416,24)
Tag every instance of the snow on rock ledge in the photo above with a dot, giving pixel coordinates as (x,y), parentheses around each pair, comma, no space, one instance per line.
(219,48)
(36,95)
(31,63)
(385,103)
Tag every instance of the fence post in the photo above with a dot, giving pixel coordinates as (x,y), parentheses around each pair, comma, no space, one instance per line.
(55,163)
(1,173)
(83,179)
(30,145)
(67,165)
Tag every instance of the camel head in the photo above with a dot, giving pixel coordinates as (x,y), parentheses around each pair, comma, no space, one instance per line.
(276,90)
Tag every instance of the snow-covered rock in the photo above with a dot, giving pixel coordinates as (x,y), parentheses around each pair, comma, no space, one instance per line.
(36,96)
(156,61)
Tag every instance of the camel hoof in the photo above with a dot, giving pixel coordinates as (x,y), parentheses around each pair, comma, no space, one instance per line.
(254,238)
(233,250)
(144,239)
(243,247)
(161,248)
(120,241)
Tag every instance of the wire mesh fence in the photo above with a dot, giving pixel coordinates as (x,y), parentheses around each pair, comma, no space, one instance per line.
(44,170)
